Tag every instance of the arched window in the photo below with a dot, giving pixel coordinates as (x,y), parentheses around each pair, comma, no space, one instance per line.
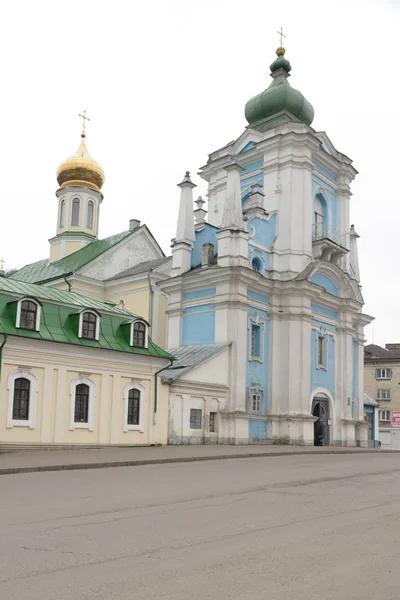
(318,212)
(22,388)
(62,214)
(256,264)
(133,416)
(90,211)
(89,328)
(81,414)
(134,406)
(75,212)
(28,315)
(22,393)
(139,335)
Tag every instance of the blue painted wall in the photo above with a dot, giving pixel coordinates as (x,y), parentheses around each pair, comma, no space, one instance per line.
(247,147)
(320,324)
(354,380)
(199,293)
(258,430)
(325,282)
(325,172)
(249,177)
(324,378)
(322,310)
(263,232)
(208,235)
(254,295)
(199,325)
(330,197)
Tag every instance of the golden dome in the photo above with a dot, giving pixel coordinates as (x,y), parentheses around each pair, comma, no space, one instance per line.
(80,170)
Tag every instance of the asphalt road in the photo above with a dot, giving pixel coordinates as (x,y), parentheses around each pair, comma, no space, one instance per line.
(299,527)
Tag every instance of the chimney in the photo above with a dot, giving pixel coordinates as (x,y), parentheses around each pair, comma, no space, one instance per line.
(134,224)
(207,255)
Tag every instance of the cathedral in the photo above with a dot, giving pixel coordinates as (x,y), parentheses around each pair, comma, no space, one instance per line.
(264,300)
(251,332)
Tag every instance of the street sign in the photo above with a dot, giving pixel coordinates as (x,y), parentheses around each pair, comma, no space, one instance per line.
(395,419)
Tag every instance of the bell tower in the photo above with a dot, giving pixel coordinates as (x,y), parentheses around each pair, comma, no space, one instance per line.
(80,179)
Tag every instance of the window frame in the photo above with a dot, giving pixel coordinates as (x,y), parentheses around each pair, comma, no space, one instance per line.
(146,333)
(386,369)
(90,204)
(92,403)
(387,393)
(135,385)
(97,332)
(19,311)
(194,419)
(255,390)
(255,321)
(77,200)
(387,412)
(33,392)
(212,422)
(61,222)
(321,342)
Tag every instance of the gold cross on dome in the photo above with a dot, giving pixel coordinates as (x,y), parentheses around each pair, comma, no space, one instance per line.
(282,35)
(84,119)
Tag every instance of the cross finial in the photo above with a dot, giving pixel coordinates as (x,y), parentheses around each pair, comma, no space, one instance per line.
(282,35)
(1,264)
(84,119)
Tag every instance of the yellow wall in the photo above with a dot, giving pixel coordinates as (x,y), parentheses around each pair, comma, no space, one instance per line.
(55,370)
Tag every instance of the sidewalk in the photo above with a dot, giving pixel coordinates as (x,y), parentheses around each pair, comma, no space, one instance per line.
(59,460)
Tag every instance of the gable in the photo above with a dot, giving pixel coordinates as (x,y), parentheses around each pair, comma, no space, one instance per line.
(325,282)
(212,371)
(132,251)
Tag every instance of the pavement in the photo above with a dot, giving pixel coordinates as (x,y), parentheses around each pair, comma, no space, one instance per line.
(307,526)
(58,460)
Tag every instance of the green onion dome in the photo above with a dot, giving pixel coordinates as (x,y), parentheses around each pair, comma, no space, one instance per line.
(279,98)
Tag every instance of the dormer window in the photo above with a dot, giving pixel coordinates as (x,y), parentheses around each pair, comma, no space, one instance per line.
(28,314)
(89,325)
(139,334)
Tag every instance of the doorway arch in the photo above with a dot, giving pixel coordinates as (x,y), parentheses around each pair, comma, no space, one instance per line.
(321,409)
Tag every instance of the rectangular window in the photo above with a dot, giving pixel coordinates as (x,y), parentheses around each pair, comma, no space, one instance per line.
(321,351)
(383,373)
(255,400)
(195,418)
(384,415)
(383,395)
(255,342)
(213,416)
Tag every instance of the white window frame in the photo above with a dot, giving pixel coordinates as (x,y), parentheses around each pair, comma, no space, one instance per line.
(381,369)
(96,314)
(146,334)
(255,389)
(323,336)
(38,313)
(387,412)
(255,320)
(384,395)
(135,385)
(92,403)
(33,392)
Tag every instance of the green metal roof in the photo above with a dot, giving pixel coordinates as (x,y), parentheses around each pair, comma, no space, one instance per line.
(59,320)
(43,270)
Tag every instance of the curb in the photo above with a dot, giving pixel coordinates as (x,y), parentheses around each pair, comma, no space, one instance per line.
(188,459)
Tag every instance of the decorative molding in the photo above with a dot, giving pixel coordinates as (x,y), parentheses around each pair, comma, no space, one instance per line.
(92,403)
(33,392)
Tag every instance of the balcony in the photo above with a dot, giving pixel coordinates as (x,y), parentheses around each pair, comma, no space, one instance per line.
(328,243)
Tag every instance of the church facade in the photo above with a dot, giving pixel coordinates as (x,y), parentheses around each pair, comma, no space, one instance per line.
(264,299)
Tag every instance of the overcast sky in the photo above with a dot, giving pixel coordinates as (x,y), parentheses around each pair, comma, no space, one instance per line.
(165,84)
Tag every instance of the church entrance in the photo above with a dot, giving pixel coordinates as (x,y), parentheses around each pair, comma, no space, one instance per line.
(320,409)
